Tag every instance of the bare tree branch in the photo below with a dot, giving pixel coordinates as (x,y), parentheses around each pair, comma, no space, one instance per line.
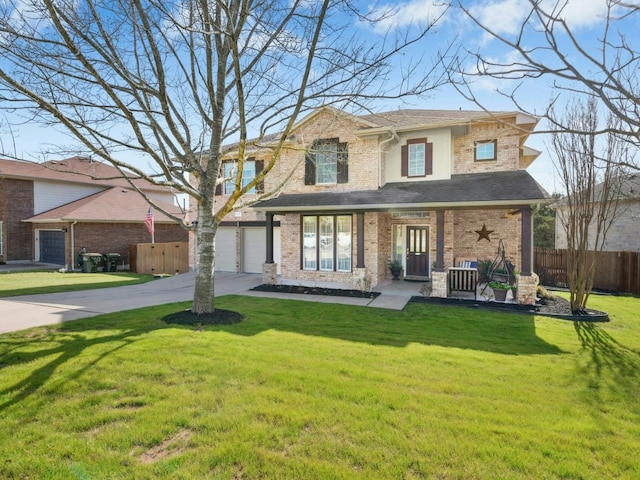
(176,82)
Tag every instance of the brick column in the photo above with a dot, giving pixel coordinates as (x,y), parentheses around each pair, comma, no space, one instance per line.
(527,286)
(270,273)
(439,284)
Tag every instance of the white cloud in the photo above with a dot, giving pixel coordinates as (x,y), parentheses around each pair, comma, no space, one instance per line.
(398,15)
(506,16)
(501,16)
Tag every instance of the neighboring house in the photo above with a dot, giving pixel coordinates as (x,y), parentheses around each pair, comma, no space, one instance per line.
(624,233)
(426,187)
(50,211)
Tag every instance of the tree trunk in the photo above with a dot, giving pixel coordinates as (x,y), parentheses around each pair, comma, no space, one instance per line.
(203,295)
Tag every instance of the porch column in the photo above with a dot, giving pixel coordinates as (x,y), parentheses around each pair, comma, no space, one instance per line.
(527,281)
(439,240)
(269,269)
(439,284)
(360,245)
(269,238)
(527,242)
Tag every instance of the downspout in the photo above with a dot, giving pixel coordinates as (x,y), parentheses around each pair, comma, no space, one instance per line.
(73,248)
(393,136)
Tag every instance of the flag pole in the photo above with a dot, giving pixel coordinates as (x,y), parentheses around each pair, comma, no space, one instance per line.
(149,223)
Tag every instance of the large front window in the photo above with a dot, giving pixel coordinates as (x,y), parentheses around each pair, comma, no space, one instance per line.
(326,243)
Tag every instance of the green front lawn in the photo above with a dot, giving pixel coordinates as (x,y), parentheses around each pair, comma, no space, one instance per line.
(31,283)
(301,390)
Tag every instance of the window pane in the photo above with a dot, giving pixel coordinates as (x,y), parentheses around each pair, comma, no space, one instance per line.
(326,243)
(416,159)
(249,174)
(485,151)
(343,241)
(327,163)
(396,243)
(229,170)
(309,243)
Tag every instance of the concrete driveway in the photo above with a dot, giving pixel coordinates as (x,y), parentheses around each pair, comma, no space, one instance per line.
(18,313)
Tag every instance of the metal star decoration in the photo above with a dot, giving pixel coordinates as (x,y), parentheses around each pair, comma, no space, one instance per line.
(484,233)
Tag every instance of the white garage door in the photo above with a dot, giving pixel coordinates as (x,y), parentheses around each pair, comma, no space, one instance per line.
(226,249)
(254,248)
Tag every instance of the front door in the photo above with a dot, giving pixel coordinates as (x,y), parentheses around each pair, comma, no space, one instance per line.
(418,251)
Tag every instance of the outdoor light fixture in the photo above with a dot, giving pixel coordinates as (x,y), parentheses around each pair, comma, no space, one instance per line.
(64,229)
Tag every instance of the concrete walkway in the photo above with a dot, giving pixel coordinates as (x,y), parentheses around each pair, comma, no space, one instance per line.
(18,313)
(394,295)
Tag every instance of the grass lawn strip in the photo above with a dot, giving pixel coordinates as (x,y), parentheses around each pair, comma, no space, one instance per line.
(305,390)
(33,283)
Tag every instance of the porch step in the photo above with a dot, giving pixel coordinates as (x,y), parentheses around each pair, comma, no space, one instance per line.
(416,278)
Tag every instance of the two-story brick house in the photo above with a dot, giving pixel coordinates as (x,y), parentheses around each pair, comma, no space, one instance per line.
(421,186)
(50,210)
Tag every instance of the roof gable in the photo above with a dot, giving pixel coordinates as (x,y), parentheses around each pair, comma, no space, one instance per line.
(114,205)
(74,170)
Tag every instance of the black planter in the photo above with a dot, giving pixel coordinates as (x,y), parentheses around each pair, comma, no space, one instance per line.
(500,295)
(396,273)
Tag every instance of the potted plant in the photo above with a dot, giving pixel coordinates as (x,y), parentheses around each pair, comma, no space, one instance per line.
(500,289)
(396,267)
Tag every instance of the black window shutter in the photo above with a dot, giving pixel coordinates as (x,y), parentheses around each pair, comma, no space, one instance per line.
(343,163)
(309,169)
(428,158)
(259,168)
(404,161)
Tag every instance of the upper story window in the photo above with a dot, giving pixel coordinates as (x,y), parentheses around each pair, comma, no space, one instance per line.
(485,150)
(327,163)
(417,158)
(251,168)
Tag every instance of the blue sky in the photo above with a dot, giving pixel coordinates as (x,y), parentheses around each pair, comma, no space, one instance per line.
(584,16)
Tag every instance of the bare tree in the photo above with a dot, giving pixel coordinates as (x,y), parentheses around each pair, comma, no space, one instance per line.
(177,81)
(544,45)
(592,182)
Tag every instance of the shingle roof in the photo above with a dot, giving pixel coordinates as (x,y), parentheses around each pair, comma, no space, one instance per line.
(420,117)
(468,190)
(74,169)
(114,205)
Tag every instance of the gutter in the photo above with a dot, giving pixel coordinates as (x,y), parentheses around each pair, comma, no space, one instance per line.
(394,136)
(381,207)
(73,247)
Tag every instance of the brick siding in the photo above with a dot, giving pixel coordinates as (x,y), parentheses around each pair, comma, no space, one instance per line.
(16,204)
(508,148)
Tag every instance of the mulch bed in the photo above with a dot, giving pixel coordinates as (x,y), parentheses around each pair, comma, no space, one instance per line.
(217,317)
(556,307)
(315,291)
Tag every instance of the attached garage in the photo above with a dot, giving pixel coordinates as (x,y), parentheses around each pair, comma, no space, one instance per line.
(226,248)
(252,249)
(52,247)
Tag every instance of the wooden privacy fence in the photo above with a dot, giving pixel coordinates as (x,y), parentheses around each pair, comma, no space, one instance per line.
(615,271)
(158,258)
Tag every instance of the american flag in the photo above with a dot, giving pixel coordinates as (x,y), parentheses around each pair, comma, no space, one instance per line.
(148,220)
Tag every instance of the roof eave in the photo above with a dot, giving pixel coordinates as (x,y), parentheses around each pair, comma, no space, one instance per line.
(403,206)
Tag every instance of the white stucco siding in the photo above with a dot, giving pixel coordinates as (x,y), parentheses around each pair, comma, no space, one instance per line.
(442,155)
